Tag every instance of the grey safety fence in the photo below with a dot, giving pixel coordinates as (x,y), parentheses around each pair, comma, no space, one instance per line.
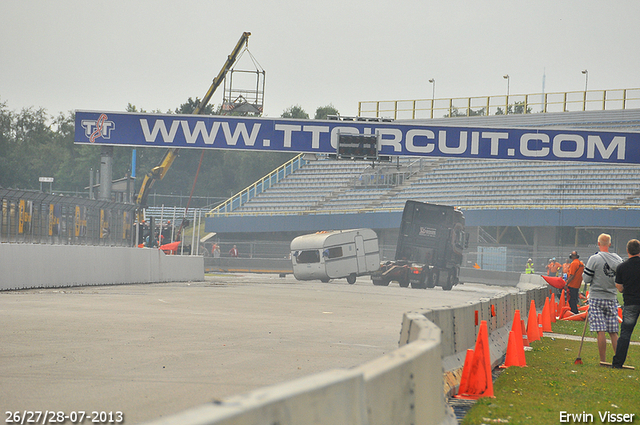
(37,217)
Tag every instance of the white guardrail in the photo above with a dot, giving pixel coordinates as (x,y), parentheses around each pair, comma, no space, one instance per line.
(406,386)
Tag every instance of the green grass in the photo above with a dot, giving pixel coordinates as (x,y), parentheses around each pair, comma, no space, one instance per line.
(575,328)
(552,383)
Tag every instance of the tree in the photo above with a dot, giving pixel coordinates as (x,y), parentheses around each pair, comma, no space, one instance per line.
(32,152)
(517,108)
(6,136)
(33,144)
(295,111)
(453,112)
(190,106)
(324,111)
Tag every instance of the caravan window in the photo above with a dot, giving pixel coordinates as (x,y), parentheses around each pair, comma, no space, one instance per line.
(312,256)
(335,252)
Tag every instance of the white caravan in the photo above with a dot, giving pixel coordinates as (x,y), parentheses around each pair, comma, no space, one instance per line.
(335,254)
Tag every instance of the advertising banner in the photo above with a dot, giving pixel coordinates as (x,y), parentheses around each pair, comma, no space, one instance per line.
(320,136)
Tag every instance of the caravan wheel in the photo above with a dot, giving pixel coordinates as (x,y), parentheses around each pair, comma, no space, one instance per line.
(351,279)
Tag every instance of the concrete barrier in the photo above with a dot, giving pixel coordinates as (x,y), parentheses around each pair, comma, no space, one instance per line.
(24,266)
(405,386)
(489,277)
(336,394)
(248,265)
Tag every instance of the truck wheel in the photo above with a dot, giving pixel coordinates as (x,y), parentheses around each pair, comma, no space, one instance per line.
(432,279)
(417,285)
(324,280)
(422,281)
(451,281)
(351,279)
(404,282)
(380,281)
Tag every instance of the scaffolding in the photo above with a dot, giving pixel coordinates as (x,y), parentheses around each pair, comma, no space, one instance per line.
(244,89)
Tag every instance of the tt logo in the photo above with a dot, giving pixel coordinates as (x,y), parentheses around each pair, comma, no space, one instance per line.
(98,128)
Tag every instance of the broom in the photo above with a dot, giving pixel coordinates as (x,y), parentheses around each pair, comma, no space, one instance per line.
(584,330)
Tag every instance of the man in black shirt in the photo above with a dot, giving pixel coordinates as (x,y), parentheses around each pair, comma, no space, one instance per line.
(628,282)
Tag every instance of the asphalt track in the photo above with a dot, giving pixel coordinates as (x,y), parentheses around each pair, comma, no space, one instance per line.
(157,349)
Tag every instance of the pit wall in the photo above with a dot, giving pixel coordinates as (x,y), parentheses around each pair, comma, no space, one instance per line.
(406,386)
(24,266)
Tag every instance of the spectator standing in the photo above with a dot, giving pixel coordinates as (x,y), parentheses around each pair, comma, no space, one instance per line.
(233,252)
(574,280)
(628,282)
(552,270)
(529,267)
(553,267)
(550,267)
(599,272)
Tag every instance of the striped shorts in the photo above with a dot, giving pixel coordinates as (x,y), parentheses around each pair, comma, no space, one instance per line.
(603,316)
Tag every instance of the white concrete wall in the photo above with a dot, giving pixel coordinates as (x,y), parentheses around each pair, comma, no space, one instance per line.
(25,266)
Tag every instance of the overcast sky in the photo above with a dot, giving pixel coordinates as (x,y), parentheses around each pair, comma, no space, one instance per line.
(64,55)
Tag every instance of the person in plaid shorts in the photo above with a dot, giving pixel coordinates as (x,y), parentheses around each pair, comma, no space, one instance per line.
(600,273)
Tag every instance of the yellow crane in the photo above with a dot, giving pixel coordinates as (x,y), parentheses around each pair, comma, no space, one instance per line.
(158,172)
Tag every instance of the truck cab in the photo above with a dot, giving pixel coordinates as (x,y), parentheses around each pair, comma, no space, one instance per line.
(430,245)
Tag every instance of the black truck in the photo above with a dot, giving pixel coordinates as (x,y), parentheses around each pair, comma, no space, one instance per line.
(429,251)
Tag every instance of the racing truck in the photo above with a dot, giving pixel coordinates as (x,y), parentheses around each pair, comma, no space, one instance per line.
(429,250)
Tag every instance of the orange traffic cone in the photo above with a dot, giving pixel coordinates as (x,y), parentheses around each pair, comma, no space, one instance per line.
(577,317)
(512,357)
(480,382)
(562,303)
(522,360)
(566,312)
(546,316)
(540,330)
(533,334)
(525,338)
(554,308)
(466,371)
(518,348)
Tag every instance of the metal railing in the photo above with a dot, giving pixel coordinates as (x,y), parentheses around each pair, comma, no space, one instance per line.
(250,192)
(590,100)
(389,175)
(37,217)
(360,210)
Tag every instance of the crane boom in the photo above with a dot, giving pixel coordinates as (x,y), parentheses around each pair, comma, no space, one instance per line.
(158,172)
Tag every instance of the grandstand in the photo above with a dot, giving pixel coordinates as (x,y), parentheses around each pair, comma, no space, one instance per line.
(326,186)
(535,198)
